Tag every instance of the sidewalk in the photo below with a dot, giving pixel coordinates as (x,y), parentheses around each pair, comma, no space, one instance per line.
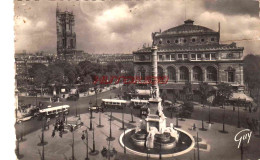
(215,144)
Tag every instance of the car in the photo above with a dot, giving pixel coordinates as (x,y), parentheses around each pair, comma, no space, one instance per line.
(73,98)
(96,109)
(23,119)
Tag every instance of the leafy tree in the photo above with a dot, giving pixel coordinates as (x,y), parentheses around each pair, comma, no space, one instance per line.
(55,75)
(224,92)
(187,90)
(252,74)
(205,92)
(38,73)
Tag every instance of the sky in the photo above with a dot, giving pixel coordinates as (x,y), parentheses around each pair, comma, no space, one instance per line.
(121,26)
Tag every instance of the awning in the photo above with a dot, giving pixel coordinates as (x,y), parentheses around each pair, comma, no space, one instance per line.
(241,96)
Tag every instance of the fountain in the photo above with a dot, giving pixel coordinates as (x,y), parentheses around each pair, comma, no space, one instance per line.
(152,136)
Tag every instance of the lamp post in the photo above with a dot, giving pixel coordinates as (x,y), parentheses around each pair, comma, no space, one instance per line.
(223,129)
(72,145)
(132,116)
(99,121)
(85,137)
(94,151)
(110,138)
(124,145)
(42,142)
(90,124)
(90,110)
(123,119)
(198,147)
(76,108)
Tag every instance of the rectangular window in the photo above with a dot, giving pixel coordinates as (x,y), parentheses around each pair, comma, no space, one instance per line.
(193,56)
(172,56)
(168,57)
(213,56)
(180,56)
(199,56)
(207,56)
(160,57)
(185,56)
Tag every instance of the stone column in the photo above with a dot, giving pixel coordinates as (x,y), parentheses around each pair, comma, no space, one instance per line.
(242,74)
(190,75)
(155,70)
(177,75)
(204,76)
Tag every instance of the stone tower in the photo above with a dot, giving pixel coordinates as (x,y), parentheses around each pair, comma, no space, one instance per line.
(66,37)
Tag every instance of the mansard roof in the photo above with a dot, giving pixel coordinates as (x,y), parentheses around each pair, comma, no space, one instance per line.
(179,48)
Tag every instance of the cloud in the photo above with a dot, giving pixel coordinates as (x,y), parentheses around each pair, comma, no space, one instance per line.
(123,26)
(234,7)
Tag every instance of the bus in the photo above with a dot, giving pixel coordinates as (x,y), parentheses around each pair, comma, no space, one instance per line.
(138,103)
(53,111)
(114,103)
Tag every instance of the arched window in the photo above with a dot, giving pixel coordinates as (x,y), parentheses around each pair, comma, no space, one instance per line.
(211,74)
(231,74)
(184,74)
(197,73)
(160,72)
(171,73)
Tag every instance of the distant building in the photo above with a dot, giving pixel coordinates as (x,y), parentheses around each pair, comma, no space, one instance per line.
(108,58)
(66,36)
(192,53)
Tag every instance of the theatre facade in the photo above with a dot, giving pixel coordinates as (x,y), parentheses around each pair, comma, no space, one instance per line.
(192,53)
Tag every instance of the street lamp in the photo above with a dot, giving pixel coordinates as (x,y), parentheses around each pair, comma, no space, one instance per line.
(42,141)
(99,120)
(90,109)
(90,124)
(223,130)
(110,138)
(72,145)
(198,147)
(123,119)
(132,116)
(94,151)
(209,114)
(85,137)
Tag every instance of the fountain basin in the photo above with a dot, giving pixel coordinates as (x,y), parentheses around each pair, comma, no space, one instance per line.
(170,148)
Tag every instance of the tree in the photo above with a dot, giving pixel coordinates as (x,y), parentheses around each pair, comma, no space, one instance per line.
(205,92)
(38,73)
(55,75)
(224,92)
(252,74)
(187,90)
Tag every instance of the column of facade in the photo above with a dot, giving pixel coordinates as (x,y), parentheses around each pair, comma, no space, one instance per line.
(190,75)
(177,74)
(204,74)
(242,74)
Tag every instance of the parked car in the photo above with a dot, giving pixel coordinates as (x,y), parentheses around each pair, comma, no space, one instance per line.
(27,118)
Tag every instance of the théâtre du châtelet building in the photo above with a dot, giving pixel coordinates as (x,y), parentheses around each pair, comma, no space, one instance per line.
(191,53)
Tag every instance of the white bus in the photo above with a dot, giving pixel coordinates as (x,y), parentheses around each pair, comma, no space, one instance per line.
(52,111)
(138,103)
(114,103)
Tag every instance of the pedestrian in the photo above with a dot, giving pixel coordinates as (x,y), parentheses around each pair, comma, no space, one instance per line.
(194,127)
